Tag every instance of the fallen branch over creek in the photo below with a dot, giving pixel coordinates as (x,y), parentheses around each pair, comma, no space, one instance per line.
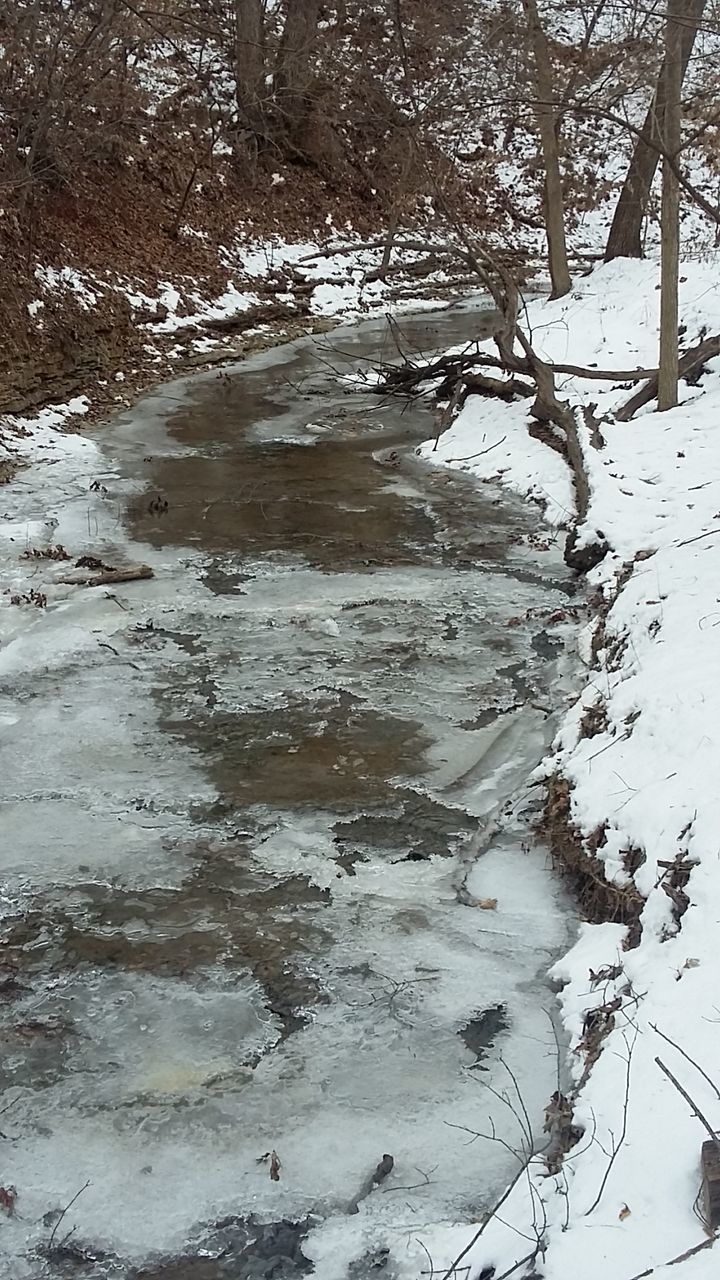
(561,425)
(409,377)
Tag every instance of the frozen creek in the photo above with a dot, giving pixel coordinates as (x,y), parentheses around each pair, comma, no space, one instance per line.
(249,810)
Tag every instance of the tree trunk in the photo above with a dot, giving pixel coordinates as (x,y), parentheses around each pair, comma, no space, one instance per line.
(295,69)
(249,62)
(624,240)
(546,117)
(670,232)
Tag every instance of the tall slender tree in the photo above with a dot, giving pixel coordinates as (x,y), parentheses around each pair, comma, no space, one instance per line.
(670,216)
(547,122)
(296,59)
(625,237)
(249,62)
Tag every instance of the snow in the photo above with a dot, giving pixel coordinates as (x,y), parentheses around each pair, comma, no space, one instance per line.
(81,284)
(490,439)
(648,779)
(341,291)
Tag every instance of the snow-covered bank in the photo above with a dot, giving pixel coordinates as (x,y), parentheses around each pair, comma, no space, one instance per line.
(136,330)
(640,752)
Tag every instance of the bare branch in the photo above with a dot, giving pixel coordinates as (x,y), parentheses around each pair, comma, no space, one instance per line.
(681,1257)
(692,1105)
(62,1213)
(616,1146)
(687,1058)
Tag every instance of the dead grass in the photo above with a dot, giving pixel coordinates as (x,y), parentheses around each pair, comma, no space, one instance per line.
(9,468)
(598,898)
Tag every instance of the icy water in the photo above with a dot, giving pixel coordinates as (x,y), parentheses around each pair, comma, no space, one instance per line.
(269,883)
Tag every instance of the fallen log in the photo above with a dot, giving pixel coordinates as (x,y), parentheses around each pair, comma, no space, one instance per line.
(254,316)
(132,573)
(690,362)
(500,388)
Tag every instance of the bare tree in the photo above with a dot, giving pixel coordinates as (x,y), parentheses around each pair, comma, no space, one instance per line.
(624,240)
(547,121)
(295,61)
(249,62)
(670,217)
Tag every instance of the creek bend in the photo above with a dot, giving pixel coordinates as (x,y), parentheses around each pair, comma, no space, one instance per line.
(270,815)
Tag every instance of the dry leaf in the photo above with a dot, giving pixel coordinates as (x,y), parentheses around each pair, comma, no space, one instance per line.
(486,904)
(274,1166)
(8,1196)
(624,1213)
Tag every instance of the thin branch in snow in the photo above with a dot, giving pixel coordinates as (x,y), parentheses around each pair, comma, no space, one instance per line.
(616,1146)
(538,1203)
(564,1190)
(489,1137)
(709,533)
(427,1182)
(452,1270)
(62,1213)
(687,1057)
(431,1272)
(521,1100)
(681,1257)
(511,1227)
(691,1103)
(558,1050)
(482,452)
(530,1257)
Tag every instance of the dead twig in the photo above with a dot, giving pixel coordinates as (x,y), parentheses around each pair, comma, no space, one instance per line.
(709,533)
(104,645)
(623,1132)
(482,452)
(413,1186)
(525,1157)
(687,1058)
(62,1213)
(681,1257)
(529,1257)
(691,1103)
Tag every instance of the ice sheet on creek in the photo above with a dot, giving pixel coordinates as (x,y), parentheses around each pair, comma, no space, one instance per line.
(242,889)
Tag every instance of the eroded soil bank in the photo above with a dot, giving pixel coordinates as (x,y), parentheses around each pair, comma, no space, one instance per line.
(270,886)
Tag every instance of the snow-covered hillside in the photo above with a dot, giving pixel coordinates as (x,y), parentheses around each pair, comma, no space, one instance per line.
(633,780)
